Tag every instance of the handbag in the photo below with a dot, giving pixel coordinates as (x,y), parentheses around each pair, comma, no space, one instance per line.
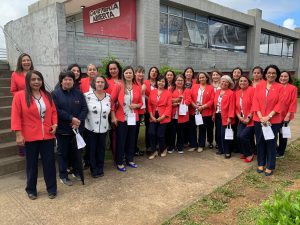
(286,131)
(79,140)
(198,119)
(229,133)
(267,132)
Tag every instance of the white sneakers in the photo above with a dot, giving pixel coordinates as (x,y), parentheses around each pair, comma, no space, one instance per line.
(191,149)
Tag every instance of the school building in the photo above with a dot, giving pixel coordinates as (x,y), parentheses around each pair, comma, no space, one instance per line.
(177,33)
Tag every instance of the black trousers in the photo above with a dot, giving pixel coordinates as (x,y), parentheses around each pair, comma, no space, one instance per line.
(46,149)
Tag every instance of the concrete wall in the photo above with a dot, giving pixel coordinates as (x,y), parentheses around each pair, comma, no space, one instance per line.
(42,35)
(284,63)
(180,57)
(85,50)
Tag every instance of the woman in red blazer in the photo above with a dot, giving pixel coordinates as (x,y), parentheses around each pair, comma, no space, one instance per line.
(160,108)
(267,107)
(257,74)
(85,83)
(181,99)
(202,95)
(245,129)
(24,64)
(224,112)
(150,84)
(139,73)
(124,117)
(288,109)
(34,119)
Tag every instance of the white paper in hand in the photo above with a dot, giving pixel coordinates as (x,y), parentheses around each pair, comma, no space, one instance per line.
(131,119)
(228,133)
(286,132)
(79,140)
(198,119)
(268,132)
(183,108)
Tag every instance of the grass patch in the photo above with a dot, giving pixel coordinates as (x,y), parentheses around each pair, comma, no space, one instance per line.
(249,215)
(255,180)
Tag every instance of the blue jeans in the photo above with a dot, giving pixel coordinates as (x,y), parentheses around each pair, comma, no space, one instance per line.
(46,149)
(266,149)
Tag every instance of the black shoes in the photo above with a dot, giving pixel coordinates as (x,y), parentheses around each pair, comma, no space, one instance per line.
(52,195)
(32,196)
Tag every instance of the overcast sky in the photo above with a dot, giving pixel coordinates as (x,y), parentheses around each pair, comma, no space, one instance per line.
(282,12)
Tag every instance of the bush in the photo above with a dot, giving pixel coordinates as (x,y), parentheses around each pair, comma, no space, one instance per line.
(283,208)
(104,63)
(164,68)
(296,82)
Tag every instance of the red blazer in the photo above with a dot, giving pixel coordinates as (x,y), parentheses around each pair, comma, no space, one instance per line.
(28,121)
(142,111)
(266,104)
(246,103)
(227,106)
(163,105)
(85,85)
(186,100)
(148,87)
(207,99)
(111,85)
(118,95)
(289,101)
(17,82)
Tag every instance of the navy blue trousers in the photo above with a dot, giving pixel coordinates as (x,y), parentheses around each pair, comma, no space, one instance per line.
(204,130)
(97,151)
(266,150)
(125,142)
(157,135)
(66,145)
(177,135)
(245,137)
(282,142)
(46,149)
(224,145)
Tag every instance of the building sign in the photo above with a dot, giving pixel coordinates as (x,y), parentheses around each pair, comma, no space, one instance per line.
(105,13)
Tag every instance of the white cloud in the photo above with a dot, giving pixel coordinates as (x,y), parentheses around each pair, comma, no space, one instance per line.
(289,23)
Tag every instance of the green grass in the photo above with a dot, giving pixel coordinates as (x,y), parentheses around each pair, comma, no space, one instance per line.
(255,180)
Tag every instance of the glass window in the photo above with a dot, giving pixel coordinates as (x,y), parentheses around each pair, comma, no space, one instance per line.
(189,15)
(175,11)
(287,47)
(201,18)
(264,43)
(163,31)
(175,30)
(227,36)
(164,8)
(197,33)
(275,45)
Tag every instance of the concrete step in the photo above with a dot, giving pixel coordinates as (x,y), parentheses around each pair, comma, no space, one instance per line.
(5,123)
(5,73)
(6,100)
(4,82)
(5,111)
(5,91)
(11,164)
(8,149)
(6,135)
(4,66)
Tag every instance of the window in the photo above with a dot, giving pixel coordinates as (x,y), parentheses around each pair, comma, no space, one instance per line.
(163,32)
(197,33)
(175,30)
(227,36)
(276,45)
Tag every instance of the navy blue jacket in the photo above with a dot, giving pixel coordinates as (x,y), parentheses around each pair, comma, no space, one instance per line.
(69,104)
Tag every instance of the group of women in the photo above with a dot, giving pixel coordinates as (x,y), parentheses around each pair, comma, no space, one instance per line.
(178,110)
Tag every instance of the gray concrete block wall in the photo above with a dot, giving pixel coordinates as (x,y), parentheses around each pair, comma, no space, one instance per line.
(284,63)
(180,57)
(85,50)
(41,35)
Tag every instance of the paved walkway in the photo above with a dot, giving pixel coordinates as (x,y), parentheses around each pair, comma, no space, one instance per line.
(154,192)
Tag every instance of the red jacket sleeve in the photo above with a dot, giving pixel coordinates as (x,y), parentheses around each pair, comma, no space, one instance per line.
(210,102)
(187,96)
(16,113)
(54,114)
(231,112)
(294,95)
(168,110)
(278,106)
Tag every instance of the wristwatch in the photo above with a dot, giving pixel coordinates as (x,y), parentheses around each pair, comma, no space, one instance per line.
(270,116)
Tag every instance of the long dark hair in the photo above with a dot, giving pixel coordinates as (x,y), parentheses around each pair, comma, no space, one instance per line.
(289,74)
(28,91)
(174,75)
(70,67)
(188,68)
(19,68)
(157,71)
(107,73)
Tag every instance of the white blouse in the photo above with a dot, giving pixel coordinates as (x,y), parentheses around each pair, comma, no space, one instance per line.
(97,117)
(40,104)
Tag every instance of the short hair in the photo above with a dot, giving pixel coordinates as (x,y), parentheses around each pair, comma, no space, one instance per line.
(273,67)
(206,75)
(244,76)
(228,78)
(65,74)
(107,73)
(19,63)
(93,82)
(162,77)
(157,71)
(290,76)
(139,69)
